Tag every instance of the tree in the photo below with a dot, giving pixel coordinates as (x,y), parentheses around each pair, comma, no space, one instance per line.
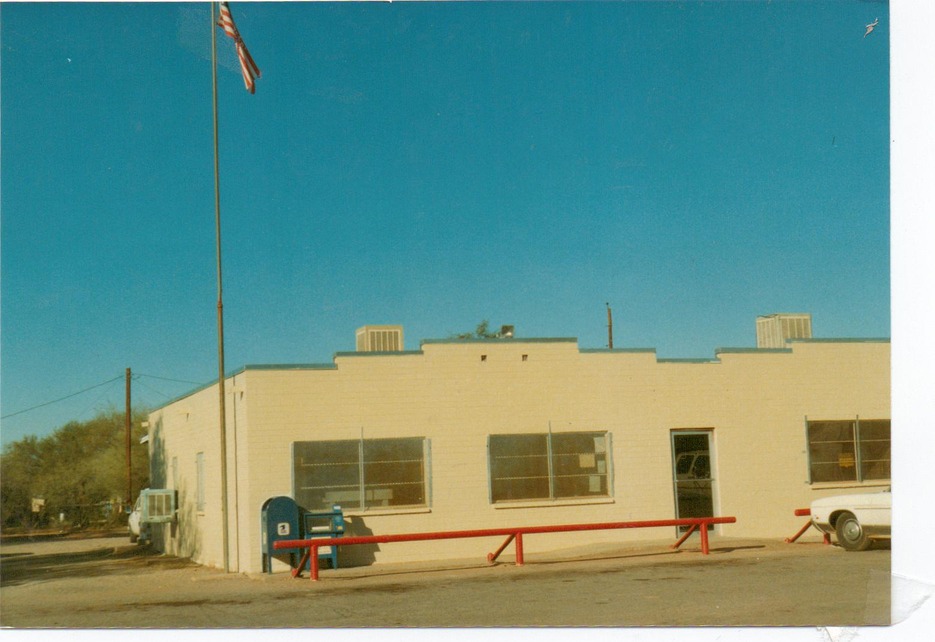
(76,470)
(481,332)
(20,465)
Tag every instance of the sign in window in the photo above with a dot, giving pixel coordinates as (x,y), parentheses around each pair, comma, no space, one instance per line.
(548,466)
(849,450)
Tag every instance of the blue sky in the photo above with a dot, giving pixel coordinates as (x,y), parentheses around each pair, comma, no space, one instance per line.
(692,164)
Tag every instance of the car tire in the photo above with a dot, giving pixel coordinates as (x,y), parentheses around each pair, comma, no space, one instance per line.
(851,535)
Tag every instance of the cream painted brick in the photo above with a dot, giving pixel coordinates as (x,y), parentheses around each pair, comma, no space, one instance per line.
(755,403)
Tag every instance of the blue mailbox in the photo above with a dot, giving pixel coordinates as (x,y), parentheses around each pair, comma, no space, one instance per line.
(280,519)
(283,519)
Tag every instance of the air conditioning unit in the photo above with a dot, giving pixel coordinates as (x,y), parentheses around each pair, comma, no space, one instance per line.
(774,330)
(380,338)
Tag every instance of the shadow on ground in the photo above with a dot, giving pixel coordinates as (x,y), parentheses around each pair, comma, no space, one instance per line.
(125,560)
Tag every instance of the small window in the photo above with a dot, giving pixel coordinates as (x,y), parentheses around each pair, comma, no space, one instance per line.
(548,466)
(360,474)
(200,476)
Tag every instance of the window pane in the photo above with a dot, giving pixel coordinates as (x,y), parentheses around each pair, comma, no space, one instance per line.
(327,473)
(200,482)
(874,449)
(831,451)
(519,467)
(394,472)
(579,464)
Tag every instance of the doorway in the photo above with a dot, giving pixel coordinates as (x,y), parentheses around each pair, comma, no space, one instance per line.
(693,473)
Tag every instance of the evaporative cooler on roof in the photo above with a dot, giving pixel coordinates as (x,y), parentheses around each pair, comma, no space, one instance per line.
(774,330)
(380,338)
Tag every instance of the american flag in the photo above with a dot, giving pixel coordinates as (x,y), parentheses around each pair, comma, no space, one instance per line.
(247,66)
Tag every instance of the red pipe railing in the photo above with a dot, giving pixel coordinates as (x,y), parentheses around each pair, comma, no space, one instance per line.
(803,512)
(513,535)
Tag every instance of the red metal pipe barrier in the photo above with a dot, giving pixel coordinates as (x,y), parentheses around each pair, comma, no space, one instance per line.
(491,557)
(802,512)
(685,536)
(513,534)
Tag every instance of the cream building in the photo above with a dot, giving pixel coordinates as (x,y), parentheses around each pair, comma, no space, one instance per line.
(471,434)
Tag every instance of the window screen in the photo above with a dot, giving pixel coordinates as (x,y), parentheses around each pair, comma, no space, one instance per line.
(548,466)
(874,449)
(360,474)
(849,450)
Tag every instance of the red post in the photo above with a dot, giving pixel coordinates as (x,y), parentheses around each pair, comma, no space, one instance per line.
(313,551)
(519,549)
(492,557)
(685,536)
(704,538)
(789,540)
(298,569)
(803,512)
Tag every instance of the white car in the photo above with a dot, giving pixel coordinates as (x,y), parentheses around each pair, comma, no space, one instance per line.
(138,529)
(133,521)
(856,519)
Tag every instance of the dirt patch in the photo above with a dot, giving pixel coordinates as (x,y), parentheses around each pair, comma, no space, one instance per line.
(50,535)
(22,567)
(112,584)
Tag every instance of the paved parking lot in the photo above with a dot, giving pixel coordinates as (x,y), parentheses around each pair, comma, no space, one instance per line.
(108,583)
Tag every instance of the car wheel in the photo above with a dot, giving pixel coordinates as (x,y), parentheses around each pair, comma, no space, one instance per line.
(851,535)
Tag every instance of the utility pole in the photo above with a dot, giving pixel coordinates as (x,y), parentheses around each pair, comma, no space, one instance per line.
(129,437)
(610,328)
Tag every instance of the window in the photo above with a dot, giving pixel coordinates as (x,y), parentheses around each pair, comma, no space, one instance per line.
(548,466)
(850,450)
(360,473)
(200,489)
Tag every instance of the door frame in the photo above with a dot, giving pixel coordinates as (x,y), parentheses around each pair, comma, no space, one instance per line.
(707,432)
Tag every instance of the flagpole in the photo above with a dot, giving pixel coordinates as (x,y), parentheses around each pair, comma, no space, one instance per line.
(217,226)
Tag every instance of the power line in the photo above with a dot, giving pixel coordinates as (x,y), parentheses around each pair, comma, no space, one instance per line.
(194,383)
(104,383)
(148,387)
(49,403)
(103,395)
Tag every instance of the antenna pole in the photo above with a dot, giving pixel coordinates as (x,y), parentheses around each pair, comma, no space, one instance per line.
(610,328)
